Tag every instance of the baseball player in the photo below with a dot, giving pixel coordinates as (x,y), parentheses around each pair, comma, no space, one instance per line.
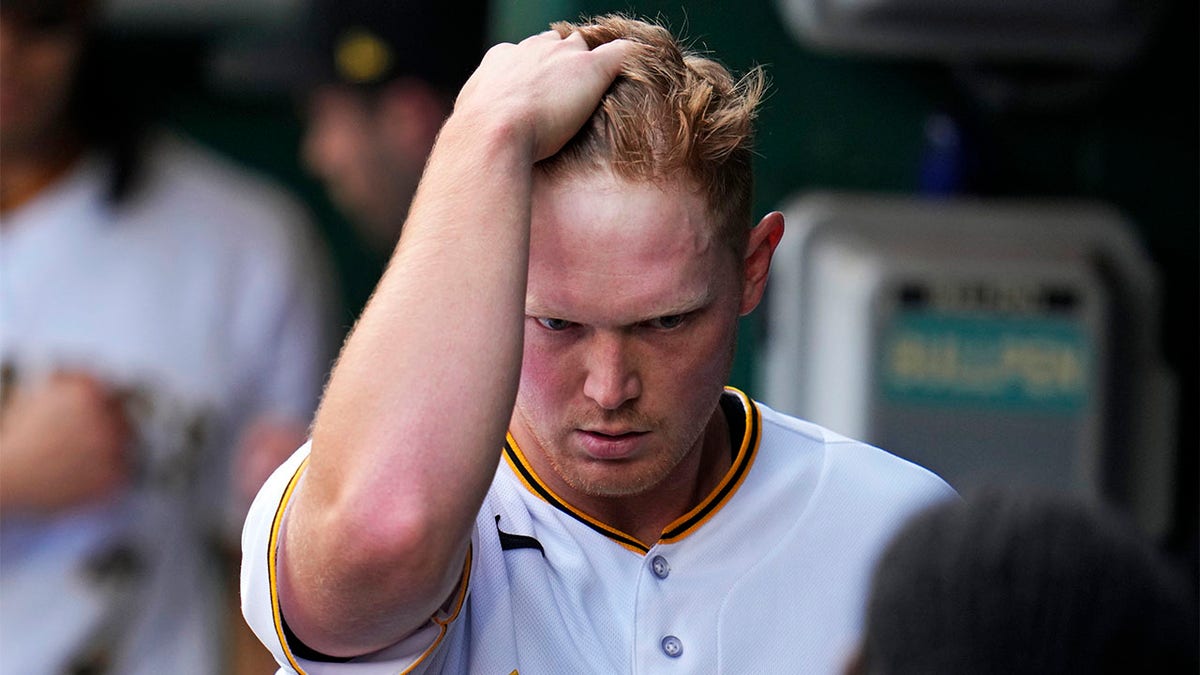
(572,271)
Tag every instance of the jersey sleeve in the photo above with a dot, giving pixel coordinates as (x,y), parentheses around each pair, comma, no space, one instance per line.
(418,653)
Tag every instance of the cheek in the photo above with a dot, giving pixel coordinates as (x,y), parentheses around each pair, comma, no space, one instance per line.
(708,352)
(545,374)
(711,363)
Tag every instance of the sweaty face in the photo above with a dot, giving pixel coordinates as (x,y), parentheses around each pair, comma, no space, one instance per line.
(631,314)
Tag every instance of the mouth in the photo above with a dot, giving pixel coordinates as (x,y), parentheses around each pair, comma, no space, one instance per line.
(613,432)
(610,443)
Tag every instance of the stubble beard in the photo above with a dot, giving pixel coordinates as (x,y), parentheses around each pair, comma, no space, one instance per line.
(620,478)
(673,445)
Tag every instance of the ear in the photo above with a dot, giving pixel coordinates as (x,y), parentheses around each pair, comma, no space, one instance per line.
(759,249)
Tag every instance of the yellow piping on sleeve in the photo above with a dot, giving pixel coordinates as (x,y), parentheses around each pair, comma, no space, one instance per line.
(272,571)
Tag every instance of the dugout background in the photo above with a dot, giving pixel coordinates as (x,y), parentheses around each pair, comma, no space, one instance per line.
(831,122)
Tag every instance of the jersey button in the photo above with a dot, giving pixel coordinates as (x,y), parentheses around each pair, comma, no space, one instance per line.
(672,646)
(660,567)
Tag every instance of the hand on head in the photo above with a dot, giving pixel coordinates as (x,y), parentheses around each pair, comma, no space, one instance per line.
(543,88)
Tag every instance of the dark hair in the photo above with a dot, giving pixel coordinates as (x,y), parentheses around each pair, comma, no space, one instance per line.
(112,109)
(1016,582)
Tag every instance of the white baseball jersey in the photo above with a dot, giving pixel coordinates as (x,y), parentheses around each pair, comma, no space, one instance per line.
(768,574)
(199,295)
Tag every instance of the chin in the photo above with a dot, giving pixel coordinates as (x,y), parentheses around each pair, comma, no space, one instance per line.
(618,480)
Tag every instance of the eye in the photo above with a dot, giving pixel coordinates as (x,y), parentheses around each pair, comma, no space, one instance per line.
(550,323)
(667,322)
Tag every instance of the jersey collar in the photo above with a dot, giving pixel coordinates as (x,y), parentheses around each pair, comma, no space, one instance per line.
(744,453)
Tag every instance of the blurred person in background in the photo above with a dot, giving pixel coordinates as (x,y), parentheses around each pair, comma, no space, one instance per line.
(1006,581)
(163,321)
(375,80)
(379,78)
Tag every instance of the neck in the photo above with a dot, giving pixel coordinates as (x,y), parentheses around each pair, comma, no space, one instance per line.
(29,172)
(646,515)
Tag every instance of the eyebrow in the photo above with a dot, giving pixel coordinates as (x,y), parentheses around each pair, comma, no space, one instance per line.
(685,305)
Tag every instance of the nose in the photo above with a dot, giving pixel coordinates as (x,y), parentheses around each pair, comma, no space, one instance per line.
(612,377)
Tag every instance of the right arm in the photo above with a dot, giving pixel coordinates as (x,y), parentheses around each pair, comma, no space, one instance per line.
(408,436)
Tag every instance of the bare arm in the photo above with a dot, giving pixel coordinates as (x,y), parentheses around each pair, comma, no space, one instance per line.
(65,441)
(408,436)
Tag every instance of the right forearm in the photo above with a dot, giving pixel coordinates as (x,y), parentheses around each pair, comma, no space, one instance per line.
(430,371)
(410,429)
(425,385)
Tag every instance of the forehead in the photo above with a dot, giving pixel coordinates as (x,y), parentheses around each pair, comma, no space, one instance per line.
(613,250)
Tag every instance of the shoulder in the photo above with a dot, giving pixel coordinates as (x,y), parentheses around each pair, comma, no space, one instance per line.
(213,196)
(181,161)
(845,464)
(197,198)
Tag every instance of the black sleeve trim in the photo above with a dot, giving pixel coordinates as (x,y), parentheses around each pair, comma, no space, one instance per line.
(301,650)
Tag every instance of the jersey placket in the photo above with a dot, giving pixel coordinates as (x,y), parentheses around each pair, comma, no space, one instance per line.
(673,614)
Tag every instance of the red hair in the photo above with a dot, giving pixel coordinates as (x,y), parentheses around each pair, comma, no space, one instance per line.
(670,112)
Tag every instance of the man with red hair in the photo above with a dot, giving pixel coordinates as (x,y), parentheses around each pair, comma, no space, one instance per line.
(526,459)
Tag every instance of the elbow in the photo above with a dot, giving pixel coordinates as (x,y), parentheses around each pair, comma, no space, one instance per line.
(397,550)
(360,584)
(411,550)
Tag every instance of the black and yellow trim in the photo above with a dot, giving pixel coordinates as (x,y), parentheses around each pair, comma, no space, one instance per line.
(281,631)
(444,622)
(520,466)
(742,460)
(681,527)
(272,571)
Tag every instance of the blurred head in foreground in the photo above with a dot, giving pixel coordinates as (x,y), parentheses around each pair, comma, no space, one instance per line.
(1008,582)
